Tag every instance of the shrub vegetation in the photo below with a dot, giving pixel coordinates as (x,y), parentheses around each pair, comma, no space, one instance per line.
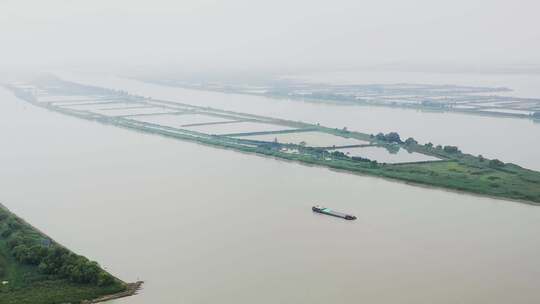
(39,271)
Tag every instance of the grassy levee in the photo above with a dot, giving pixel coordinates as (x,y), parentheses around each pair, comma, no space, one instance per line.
(505,182)
(37,270)
(508,181)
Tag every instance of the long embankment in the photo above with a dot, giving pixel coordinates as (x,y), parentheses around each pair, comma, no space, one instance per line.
(456,170)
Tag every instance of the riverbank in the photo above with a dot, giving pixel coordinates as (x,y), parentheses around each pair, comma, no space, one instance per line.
(35,269)
(131,289)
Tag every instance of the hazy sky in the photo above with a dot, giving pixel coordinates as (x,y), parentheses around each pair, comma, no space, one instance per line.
(254,34)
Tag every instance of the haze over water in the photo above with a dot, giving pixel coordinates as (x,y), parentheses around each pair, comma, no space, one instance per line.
(521,84)
(204,225)
(201,224)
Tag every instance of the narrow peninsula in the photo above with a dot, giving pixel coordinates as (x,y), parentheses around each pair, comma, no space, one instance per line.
(382,155)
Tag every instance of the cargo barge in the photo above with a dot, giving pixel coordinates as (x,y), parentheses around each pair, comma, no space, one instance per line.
(327,211)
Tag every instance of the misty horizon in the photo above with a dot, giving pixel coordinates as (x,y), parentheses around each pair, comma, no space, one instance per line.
(247,36)
(263,152)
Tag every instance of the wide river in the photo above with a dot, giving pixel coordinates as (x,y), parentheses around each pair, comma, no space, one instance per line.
(207,225)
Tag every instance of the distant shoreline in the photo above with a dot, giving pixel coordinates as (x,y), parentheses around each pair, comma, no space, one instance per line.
(347,102)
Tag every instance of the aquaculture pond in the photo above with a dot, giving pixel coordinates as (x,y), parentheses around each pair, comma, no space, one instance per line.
(383,155)
(240,127)
(314,139)
(182,119)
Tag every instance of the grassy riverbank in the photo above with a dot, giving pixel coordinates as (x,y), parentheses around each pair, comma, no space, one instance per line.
(36,270)
(461,172)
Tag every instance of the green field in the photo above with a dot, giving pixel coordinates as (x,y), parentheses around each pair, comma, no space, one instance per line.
(508,181)
(36,270)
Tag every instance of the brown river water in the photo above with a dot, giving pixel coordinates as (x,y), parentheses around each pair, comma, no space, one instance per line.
(206,225)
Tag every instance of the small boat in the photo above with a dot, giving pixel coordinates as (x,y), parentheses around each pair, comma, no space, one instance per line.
(327,211)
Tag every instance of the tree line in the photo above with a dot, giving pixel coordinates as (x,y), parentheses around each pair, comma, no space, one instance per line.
(30,248)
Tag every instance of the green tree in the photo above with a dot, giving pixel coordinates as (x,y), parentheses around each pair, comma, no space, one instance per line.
(21,252)
(410,141)
(451,149)
(339,154)
(495,163)
(393,137)
(380,136)
(104,279)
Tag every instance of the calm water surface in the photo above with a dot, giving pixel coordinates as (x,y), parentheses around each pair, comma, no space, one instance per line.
(382,155)
(207,225)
